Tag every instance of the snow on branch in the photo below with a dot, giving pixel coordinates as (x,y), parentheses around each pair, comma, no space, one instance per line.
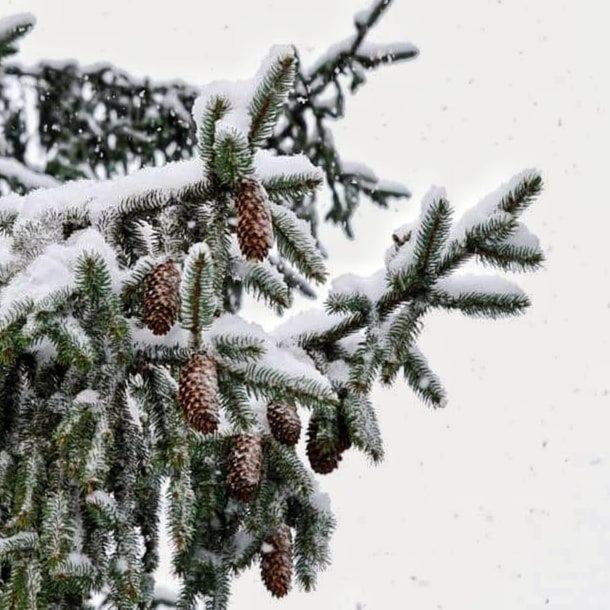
(239,96)
(54,270)
(373,322)
(13,171)
(96,197)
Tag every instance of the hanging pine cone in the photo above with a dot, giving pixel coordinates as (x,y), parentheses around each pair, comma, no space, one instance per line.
(254,228)
(284,423)
(245,464)
(198,393)
(324,458)
(162,298)
(276,562)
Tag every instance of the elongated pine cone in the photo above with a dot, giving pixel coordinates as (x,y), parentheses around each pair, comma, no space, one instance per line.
(254,228)
(198,393)
(276,562)
(284,422)
(325,458)
(162,298)
(245,464)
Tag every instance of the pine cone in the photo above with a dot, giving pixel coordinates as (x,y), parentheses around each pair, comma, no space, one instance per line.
(322,457)
(254,228)
(198,393)
(245,464)
(284,422)
(276,562)
(162,298)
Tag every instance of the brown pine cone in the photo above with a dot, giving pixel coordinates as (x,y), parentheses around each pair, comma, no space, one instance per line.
(254,228)
(162,298)
(245,465)
(198,393)
(276,562)
(284,423)
(325,458)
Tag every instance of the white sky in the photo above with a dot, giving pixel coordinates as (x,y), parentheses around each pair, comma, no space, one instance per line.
(503,499)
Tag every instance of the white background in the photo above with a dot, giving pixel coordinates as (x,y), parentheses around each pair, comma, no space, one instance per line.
(502,500)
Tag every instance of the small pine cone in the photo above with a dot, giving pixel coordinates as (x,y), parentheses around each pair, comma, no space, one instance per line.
(162,298)
(322,458)
(254,228)
(276,562)
(284,422)
(245,464)
(198,393)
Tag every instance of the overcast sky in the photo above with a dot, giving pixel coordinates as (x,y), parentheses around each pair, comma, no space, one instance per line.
(502,500)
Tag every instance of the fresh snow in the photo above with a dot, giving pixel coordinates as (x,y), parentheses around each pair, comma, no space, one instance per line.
(165,594)
(311,321)
(488,206)
(54,269)
(239,94)
(79,559)
(288,360)
(232,325)
(144,337)
(352,342)
(99,196)
(338,372)
(292,361)
(357,168)
(87,396)
(371,287)
(268,165)
(523,238)
(12,169)
(391,186)
(469,283)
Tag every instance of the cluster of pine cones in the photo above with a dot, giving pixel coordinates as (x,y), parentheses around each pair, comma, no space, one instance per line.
(254,234)
(198,393)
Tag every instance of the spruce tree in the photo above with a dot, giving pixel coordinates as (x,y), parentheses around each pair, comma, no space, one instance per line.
(123,366)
